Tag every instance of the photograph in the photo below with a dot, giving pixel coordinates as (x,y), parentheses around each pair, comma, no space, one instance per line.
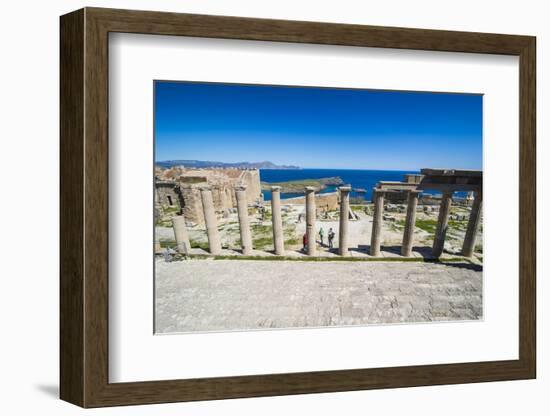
(279,207)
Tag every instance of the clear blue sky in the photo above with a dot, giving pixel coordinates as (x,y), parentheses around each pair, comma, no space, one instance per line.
(317,127)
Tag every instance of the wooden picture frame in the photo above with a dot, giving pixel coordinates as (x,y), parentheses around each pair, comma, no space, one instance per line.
(84,207)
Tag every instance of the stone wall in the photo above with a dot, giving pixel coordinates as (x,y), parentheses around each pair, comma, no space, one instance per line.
(251,178)
(168,194)
(224,197)
(184,192)
(329,201)
(192,208)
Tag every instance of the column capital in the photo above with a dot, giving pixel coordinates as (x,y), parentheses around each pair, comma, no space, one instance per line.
(346,188)
(275,188)
(310,189)
(205,188)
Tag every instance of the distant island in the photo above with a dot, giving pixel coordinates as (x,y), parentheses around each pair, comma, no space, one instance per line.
(211,164)
(299,185)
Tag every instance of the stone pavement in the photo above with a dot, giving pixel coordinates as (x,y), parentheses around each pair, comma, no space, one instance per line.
(221,295)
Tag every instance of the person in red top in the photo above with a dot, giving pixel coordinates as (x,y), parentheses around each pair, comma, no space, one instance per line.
(304,241)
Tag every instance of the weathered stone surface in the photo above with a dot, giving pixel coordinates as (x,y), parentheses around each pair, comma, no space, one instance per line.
(377,222)
(277,221)
(343,239)
(473,226)
(311,216)
(442,224)
(214,243)
(244,225)
(181,235)
(219,295)
(408,233)
(180,187)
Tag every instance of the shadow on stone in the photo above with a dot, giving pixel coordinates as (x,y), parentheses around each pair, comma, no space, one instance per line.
(424,251)
(391,249)
(467,266)
(361,248)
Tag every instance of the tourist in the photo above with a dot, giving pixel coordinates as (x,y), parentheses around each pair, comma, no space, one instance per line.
(321,235)
(304,241)
(330,238)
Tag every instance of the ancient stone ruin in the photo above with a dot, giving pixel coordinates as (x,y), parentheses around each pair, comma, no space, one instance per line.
(202,193)
(180,188)
(447,181)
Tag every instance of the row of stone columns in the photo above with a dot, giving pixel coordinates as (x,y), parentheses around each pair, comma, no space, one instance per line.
(442,224)
(211,223)
(214,242)
(410,220)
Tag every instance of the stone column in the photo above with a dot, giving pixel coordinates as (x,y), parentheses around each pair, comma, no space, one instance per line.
(344,221)
(244,225)
(473,225)
(277,221)
(311,231)
(158,248)
(378,197)
(412,202)
(211,222)
(442,224)
(180,233)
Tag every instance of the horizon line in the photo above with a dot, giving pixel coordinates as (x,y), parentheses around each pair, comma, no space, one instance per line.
(332,168)
(315,167)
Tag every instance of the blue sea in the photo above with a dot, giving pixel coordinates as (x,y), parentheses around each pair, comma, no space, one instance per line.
(365,179)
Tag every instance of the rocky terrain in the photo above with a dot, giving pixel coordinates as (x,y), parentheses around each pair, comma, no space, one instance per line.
(213,164)
(299,185)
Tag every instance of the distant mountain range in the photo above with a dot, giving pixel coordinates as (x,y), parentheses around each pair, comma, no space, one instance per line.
(210,164)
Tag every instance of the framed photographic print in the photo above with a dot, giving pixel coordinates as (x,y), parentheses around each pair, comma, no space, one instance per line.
(256,207)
